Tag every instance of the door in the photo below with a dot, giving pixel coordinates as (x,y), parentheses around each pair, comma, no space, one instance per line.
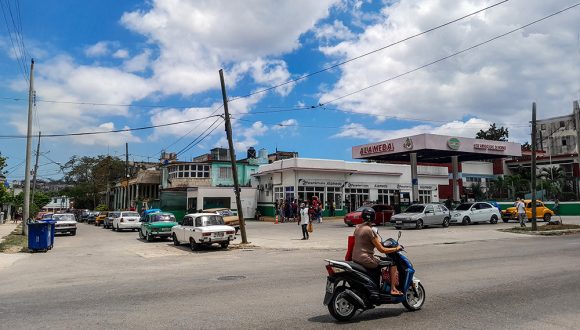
(429,215)
(486,211)
(438,216)
(478,213)
(144,225)
(183,230)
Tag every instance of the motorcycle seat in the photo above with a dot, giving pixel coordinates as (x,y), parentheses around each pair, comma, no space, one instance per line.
(358,267)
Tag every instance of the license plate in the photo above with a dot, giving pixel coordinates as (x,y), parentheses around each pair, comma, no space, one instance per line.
(399,222)
(329,286)
(218,235)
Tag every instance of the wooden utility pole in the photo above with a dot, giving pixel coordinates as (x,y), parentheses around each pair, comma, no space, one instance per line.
(533,169)
(127,175)
(233,160)
(35,171)
(26,211)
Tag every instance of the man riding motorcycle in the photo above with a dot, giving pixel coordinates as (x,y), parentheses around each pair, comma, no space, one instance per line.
(366,240)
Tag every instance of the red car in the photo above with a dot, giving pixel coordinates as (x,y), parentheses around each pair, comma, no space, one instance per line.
(383,214)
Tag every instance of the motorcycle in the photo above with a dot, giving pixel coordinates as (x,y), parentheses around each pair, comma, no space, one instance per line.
(349,286)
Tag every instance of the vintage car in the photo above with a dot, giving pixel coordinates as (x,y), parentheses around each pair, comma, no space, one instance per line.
(230,219)
(157,224)
(467,213)
(422,215)
(126,220)
(65,223)
(203,229)
(542,212)
(383,214)
(92,216)
(100,219)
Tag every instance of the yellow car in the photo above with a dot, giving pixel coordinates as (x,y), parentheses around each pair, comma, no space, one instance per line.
(228,215)
(100,219)
(542,211)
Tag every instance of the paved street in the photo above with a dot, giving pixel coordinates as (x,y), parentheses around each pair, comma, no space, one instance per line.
(101,279)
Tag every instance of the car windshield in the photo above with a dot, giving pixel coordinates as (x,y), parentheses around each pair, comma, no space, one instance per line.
(47,216)
(362,208)
(415,209)
(130,214)
(212,220)
(163,217)
(225,213)
(463,207)
(65,217)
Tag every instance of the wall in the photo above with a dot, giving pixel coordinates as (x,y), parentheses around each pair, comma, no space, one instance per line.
(248,198)
(244,174)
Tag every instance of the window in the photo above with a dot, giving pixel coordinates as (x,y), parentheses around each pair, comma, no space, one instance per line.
(198,222)
(562,124)
(424,196)
(483,206)
(187,221)
(564,141)
(278,194)
(225,173)
(388,196)
(429,209)
(543,127)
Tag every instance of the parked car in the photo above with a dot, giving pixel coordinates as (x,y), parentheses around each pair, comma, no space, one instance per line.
(101,218)
(230,219)
(45,216)
(127,220)
(467,213)
(542,211)
(147,212)
(39,215)
(85,215)
(92,216)
(65,223)
(383,214)
(422,215)
(108,222)
(157,225)
(199,229)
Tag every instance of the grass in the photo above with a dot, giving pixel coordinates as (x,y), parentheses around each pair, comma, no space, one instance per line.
(15,242)
(548,229)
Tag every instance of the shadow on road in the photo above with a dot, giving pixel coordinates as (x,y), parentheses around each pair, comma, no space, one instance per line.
(373,314)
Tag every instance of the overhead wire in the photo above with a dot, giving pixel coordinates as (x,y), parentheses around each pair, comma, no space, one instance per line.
(193,143)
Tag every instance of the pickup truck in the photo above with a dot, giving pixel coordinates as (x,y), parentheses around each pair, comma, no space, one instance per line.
(203,229)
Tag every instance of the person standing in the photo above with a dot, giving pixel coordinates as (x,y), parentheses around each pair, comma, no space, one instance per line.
(295,214)
(304,220)
(521,207)
(331,208)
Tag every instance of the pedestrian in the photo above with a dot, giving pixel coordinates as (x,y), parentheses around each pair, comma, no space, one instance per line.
(557,210)
(304,220)
(295,213)
(521,207)
(316,208)
(331,208)
(281,210)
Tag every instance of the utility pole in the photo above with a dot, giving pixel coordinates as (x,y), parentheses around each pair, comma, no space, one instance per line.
(577,122)
(127,175)
(35,170)
(533,169)
(26,211)
(233,159)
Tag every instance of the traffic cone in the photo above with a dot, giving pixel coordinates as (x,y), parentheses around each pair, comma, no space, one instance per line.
(276,220)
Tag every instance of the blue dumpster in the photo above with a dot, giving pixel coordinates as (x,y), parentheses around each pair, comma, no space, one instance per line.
(52,228)
(40,237)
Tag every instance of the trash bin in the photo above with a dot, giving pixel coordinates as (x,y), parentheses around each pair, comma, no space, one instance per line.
(40,237)
(52,224)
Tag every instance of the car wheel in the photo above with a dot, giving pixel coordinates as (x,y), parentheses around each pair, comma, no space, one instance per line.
(445,223)
(118,229)
(192,244)
(419,224)
(224,245)
(175,240)
(113,227)
(465,221)
(141,236)
(547,217)
(396,227)
(149,237)
(73,233)
(493,219)
(350,225)
(506,220)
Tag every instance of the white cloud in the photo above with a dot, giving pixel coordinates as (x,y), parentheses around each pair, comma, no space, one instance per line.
(121,53)
(496,82)
(336,31)
(286,126)
(101,48)
(111,139)
(138,63)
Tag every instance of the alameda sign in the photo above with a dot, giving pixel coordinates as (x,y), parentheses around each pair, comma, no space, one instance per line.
(377,148)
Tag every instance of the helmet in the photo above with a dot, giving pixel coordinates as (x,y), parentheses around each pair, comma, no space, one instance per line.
(368,214)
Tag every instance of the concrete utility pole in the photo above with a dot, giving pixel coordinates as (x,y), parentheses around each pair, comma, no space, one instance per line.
(233,160)
(533,168)
(26,211)
(127,175)
(35,170)
(577,122)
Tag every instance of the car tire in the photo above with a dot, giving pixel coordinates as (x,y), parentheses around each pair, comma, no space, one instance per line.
(149,237)
(445,223)
(419,224)
(466,221)
(192,244)
(175,240)
(547,217)
(73,233)
(141,236)
(506,220)
(350,225)
(113,227)
(118,228)
(225,245)
(398,228)
(493,219)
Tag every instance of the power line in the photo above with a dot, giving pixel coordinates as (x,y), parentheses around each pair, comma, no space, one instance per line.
(450,56)
(192,143)
(368,53)
(112,131)
(40,100)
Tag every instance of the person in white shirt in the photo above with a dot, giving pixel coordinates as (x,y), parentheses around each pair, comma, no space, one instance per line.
(304,220)
(521,207)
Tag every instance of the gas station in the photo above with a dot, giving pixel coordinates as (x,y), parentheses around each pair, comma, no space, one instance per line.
(435,149)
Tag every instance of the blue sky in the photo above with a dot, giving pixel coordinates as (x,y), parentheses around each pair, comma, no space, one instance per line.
(162,58)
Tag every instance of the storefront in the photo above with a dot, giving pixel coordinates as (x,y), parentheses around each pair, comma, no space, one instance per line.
(339,185)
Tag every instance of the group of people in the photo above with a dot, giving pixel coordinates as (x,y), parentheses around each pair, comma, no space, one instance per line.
(291,210)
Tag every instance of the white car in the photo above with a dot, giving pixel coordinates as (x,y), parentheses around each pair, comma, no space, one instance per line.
(65,223)
(467,213)
(200,229)
(127,220)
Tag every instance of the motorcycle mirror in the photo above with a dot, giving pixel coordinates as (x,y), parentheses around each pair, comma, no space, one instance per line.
(398,237)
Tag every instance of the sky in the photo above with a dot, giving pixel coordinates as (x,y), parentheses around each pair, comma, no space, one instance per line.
(108,65)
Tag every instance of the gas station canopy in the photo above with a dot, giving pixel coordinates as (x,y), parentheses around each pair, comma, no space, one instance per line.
(432,148)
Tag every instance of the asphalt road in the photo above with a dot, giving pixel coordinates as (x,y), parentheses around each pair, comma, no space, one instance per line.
(106,280)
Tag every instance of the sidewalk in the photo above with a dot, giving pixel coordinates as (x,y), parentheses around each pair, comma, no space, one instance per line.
(6,229)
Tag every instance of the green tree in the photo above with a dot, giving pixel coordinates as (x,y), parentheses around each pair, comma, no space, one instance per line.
(493,133)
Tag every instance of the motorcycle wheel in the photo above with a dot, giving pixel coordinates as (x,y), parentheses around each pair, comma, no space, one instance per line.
(414,302)
(340,307)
